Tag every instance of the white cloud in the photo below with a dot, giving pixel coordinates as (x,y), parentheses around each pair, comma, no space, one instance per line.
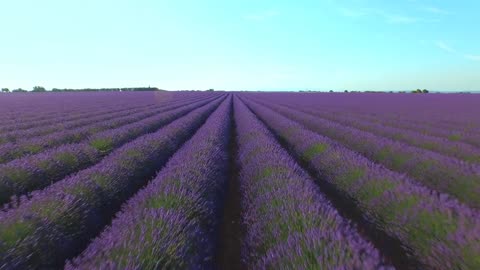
(391,18)
(473,57)
(352,12)
(388,17)
(444,46)
(262,16)
(436,10)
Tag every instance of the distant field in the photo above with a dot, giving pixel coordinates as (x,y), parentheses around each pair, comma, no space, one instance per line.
(219,180)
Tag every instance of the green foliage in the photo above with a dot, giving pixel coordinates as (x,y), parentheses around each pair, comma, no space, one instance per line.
(33,148)
(373,189)
(420,91)
(455,137)
(67,159)
(168,201)
(351,176)
(102,145)
(397,208)
(314,150)
(10,234)
(39,89)
(430,227)
(18,176)
(19,90)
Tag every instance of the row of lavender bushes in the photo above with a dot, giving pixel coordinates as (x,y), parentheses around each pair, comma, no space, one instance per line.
(455,134)
(18,113)
(72,120)
(37,171)
(64,124)
(438,231)
(18,109)
(289,223)
(56,223)
(436,171)
(11,151)
(444,146)
(172,222)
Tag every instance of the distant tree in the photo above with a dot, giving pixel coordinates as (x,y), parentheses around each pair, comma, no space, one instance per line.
(39,89)
(19,90)
(211,90)
(5,90)
(331,91)
(346,91)
(425,91)
(418,91)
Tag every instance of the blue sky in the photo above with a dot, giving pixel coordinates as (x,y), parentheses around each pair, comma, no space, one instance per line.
(247,44)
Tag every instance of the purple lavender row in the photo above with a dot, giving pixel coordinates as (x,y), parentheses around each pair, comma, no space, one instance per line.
(289,223)
(44,118)
(444,111)
(94,133)
(438,172)
(87,108)
(427,111)
(13,136)
(46,128)
(459,135)
(56,223)
(108,140)
(69,122)
(438,231)
(13,117)
(444,146)
(11,151)
(72,116)
(37,171)
(66,105)
(46,103)
(172,223)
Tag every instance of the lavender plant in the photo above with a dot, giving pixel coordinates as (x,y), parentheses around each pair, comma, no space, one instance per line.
(11,151)
(438,172)
(289,223)
(437,230)
(55,224)
(172,222)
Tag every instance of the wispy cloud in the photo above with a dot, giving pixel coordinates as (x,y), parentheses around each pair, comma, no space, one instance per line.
(388,17)
(352,12)
(445,47)
(473,57)
(261,16)
(435,10)
(393,18)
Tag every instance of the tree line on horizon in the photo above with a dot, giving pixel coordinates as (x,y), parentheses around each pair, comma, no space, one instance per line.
(40,89)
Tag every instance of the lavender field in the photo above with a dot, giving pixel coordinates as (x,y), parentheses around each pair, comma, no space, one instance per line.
(221,180)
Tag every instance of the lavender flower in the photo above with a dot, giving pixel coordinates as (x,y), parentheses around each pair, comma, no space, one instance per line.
(56,223)
(285,213)
(439,231)
(171,222)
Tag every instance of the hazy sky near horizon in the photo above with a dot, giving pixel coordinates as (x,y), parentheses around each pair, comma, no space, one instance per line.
(241,44)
